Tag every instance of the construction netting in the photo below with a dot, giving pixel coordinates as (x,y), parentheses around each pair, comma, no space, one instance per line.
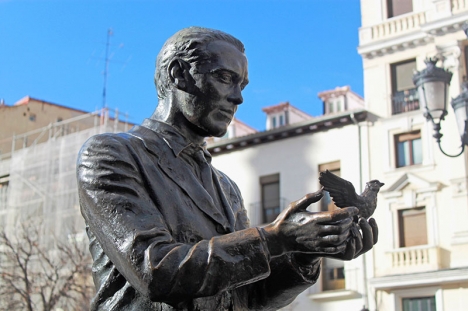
(41,183)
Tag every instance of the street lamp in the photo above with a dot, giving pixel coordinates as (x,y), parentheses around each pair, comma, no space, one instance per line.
(432,84)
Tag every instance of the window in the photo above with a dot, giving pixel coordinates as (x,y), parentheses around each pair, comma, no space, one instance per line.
(4,180)
(338,105)
(399,7)
(419,304)
(326,203)
(270,197)
(281,120)
(333,276)
(273,122)
(330,107)
(408,148)
(32,117)
(404,94)
(412,227)
(466,61)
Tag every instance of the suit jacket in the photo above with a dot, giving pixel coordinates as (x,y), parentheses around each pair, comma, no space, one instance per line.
(157,241)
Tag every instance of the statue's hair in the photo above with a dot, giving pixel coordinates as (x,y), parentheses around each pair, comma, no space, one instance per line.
(188,45)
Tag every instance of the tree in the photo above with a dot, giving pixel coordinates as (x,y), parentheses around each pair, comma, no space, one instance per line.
(41,273)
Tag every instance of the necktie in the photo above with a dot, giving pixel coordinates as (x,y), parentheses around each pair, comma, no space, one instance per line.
(202,158)
(205,173)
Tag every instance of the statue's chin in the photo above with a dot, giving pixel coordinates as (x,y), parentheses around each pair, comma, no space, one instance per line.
(206,132)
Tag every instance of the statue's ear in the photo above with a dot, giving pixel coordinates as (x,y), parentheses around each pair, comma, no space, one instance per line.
(179,73)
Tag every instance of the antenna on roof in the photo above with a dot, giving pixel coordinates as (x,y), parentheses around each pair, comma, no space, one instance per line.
(107,60)
(106,68)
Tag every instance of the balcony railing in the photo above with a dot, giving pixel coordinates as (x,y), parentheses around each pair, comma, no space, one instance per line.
(405,101)
(265,212)
(415,259)
(459,5)
(394,26)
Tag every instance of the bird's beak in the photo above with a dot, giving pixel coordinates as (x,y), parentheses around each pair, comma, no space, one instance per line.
(381,184)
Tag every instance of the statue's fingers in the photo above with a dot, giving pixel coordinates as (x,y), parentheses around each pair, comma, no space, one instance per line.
(367,236)
(337,215)
(350,252)
(337,228)
(304,202)
(357,238)
(335,239)
(330,250)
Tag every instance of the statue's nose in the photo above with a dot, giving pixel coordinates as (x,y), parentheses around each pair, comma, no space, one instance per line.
(236,96)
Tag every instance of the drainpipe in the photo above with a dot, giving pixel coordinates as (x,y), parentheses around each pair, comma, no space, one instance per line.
(365,297)
(360,149)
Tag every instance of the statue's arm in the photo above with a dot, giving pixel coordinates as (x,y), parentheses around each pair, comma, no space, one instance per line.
(290,275)
(134,235)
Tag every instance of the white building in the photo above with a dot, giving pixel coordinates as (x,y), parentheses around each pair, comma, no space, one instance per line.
(421,260)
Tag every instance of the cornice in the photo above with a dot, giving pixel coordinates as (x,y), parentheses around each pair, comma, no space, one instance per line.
(314,125)
(445,25)
(438,277)
(394,44)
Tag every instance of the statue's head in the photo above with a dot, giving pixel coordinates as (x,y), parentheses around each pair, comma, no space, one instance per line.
(188,44)
(200,74)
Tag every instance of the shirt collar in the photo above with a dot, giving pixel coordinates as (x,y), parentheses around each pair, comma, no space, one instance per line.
(173,138)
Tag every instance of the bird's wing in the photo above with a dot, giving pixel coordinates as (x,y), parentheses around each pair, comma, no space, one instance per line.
(341,190)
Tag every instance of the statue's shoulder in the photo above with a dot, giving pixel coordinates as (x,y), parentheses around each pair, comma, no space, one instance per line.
(136,135)
(106,140)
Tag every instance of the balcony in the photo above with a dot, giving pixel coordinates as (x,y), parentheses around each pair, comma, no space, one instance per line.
(266,212)
(392,27)
(459,6)
(416,259)
(404,101)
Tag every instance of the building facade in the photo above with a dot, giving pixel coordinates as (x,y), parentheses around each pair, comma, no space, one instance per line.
(421,260)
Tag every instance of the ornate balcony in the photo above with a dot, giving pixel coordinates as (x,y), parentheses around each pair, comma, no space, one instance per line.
(459,5)
(392,27)
(416,259)
(405,101)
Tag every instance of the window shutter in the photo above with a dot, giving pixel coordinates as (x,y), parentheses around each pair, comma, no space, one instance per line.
(413,227)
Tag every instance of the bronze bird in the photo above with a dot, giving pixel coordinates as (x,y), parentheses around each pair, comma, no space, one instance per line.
(344,195)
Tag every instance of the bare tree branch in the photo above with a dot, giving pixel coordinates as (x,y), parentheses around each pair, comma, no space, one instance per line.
(38,277)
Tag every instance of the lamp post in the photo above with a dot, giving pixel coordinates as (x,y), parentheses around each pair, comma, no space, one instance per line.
(432,84)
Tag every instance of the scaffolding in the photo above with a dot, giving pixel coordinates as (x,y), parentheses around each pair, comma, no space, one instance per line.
(39,179)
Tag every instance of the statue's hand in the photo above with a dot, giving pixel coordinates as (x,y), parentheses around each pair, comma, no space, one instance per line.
(297,230)
(363,236)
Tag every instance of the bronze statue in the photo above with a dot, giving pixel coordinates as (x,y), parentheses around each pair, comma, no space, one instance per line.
(167,230)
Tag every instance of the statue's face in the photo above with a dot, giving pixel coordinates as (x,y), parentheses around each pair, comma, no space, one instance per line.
(219,84)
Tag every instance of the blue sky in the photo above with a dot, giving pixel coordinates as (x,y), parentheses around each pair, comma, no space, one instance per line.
(54,50)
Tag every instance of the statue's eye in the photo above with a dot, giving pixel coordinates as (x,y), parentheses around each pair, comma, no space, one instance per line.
(225,77)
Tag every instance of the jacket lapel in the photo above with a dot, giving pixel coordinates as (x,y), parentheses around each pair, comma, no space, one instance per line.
(178,170)
(224,191)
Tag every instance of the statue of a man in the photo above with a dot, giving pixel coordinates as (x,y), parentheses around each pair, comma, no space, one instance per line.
(167,230)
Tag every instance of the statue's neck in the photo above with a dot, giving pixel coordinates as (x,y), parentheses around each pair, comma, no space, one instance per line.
(168,112)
